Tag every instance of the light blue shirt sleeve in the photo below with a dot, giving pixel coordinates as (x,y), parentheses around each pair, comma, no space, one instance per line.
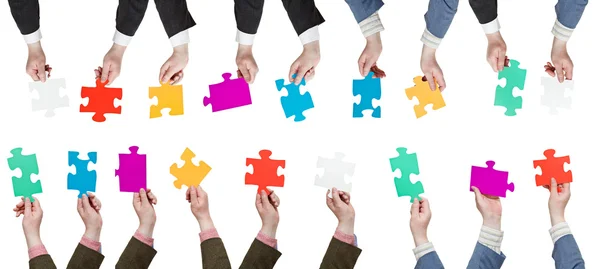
(362,9)
(430,260)
(485,258)
(569,12)
(439,16)
(566,254)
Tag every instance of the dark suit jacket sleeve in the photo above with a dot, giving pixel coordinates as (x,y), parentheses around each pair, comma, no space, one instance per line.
(174,15)
(85,258)
(303,14)
(26,14)
(260,256)
(42,262)
(214,255)
(340,255)
(248,14)
(136,255)
(130,14)
(485,10)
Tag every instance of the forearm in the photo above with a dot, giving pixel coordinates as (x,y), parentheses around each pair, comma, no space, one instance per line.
(130,14)
(566,253)
(438,19)
(305,18)
(176,20)
(26,14)
(248,14)
(486,12)
(568,14)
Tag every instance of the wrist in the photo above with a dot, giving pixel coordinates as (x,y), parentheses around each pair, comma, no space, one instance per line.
(312,47)
(420,239)
(494,36)
(244,49)
(269,230)
(33,240)
(93,234)
(146,230)
(493,222)
(557,219)
(559,44)
(427,52)
(205,223)
(183,48)
(118,49)
(346,226)
(35,47)
(374,39)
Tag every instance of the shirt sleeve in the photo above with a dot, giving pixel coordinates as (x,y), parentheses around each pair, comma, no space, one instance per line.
(438,18)
(486,12)
(491,238)
(26,14)
(568,14)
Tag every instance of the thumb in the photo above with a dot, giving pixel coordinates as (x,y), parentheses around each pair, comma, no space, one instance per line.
(27,206)
(553,187)
(414,208)
(104,76)
(367,66)
(559,72)
(144,197)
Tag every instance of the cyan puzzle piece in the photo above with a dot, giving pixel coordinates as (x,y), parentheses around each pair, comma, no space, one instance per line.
(407,164)
(515,78)
(28,165)
(83,180)
(294,104)
(369,89)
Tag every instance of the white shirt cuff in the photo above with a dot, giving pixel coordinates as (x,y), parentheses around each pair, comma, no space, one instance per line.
(423,250)
(491,27)
(371,25)
(310,35)
(491,238)
(33,37)
(430,40)
(121,39)
(559,230)
(244,39)
(180,38)
(561,32)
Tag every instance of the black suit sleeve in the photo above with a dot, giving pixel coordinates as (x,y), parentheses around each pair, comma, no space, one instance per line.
(130,14)
(248,14)
(303,14)
(26,14)
(485,10)
(174,15)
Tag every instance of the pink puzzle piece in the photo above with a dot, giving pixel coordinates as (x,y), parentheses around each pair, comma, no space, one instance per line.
(490,181)
(132,171)
(230,93)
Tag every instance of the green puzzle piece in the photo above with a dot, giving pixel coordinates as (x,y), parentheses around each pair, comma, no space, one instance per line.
(408,164)
(28,165)
(515,78)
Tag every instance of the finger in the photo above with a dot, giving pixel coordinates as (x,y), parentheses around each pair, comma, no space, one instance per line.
(439,78)
(188,194)
(98,72)
(293,71)
(362,61)
(301,74)
(328,200)
(431,81)
(414,208)
(194,195)
(477,193)
(144,197)
(33,74)
(41,72)
(258,202)
(337,201)
(566,188)
(553,187)
(151,197)
(169,74)
(86,202)
(568,72)
(177,78)
(264,198)
(105,70)
(163,72)
(137,200)
(425,205)
(501,60)
(550,72)
(367,67)
(310,74)
(559,73)
(27,207)
(246,74)
(80,206)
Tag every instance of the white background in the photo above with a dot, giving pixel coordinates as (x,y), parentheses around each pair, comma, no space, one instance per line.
(468,131)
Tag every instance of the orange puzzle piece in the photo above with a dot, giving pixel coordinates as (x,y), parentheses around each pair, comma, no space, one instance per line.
(168,96)
(189,174)
(552,167)
(425,95)
(265,171)
(101,100)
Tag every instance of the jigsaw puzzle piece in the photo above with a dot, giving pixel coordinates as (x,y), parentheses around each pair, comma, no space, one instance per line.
(553,167)
(404,187)
(264,171)
(189,174)
(83,180)
(514,75)
(335,171)
(554,94)
(425,96)
(294,104)
(49,96)
(132,171)
(490,181)
(101,100)
(515,78)
(407,163)
(505,98)
(369,89)
(28,165)
(169,96)
(230,93)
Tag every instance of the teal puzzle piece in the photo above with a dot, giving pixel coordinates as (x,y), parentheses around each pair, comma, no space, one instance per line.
(369,89)
(83,180)
(28,165)
(515,78)
(404,187)
(294,104)
(407,164)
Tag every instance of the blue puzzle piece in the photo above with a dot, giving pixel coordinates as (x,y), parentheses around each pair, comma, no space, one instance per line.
(294,104)
(369,89)
(83,180)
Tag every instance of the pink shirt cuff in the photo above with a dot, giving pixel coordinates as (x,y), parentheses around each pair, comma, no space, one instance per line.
(208,234)
(346,238)
(267,240)
(37,251)
(144,239)
(91,244)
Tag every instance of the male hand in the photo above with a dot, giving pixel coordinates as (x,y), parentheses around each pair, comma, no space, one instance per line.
(266,205)
(172,70)
(340,205)
(431,70)
(32,220)
(368,59)
(490,209)
(496,51)
(143,203)
(111,66)
(420,216)
(246,64)
(89,211)
(36,62)
(563,66)
(558,201)
(198,200)
(304,66)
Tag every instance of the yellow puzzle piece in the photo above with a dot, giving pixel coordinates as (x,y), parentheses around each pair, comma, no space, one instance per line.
(169,96)
(425,95)
(189,174)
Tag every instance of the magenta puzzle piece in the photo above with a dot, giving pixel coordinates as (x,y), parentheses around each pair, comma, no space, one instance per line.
(132,171)
(490,181)
(229,94)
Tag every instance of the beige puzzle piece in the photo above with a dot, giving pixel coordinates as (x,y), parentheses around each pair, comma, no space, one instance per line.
(169,96)
(425,95)
(189,174)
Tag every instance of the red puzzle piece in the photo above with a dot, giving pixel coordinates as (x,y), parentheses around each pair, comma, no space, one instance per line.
(552,167)
(265,171)
(101,100)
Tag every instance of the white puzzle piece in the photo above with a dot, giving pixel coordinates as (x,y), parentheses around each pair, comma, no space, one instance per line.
(335,171)
(49,96)
(555,94)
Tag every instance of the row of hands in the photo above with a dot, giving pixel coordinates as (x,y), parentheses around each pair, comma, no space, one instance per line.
(490,209)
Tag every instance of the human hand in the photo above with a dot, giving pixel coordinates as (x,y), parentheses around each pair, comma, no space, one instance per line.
(266,205)
(496,51)
(246,64)
(432,71)
(89,211)
(563,66)
(559,198)
(32,220)
(368,59)
(111,66)
(304,66)
(490,209)
(340,205)
(420,216)
(198,200)
(143,203)
(172,70)
(36,66)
